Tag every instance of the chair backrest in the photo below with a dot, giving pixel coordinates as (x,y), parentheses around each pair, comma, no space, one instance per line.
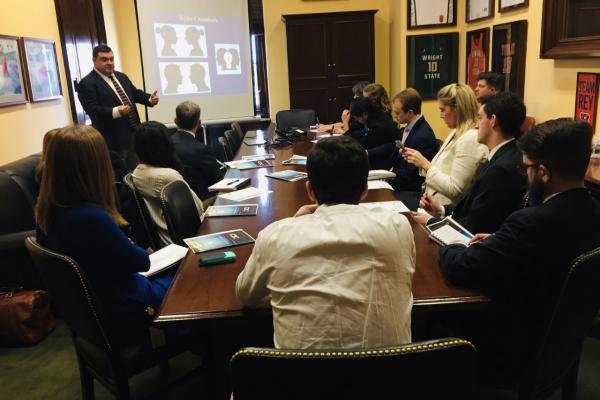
(296,118)
(442,369)
(226,153)
(232,139)
(237,129)
(180,211)
(138,216)
(71,294)
(559,349)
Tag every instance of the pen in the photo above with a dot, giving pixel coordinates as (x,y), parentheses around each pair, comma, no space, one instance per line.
(232,182)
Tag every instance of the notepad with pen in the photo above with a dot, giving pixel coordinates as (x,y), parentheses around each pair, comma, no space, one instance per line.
(448,231)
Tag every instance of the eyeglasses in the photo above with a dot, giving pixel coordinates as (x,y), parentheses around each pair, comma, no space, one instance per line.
(522,168)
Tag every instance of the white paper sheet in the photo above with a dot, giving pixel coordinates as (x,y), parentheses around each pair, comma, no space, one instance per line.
(165,257)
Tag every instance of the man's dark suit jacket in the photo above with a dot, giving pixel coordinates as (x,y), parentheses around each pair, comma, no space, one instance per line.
(98,100)
(200,166)
(495,193)
(420,138)
(521,268)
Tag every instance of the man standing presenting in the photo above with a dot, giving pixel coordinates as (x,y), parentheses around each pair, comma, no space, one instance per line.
(109,98)
(337,275)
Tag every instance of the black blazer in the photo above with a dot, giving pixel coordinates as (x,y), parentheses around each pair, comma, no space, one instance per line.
(98,100)
(200,166)
(380,129)
(496,192)
(521,268)
(387,156)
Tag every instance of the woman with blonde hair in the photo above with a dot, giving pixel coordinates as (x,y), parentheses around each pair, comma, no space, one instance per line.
(453,168)
(76,216)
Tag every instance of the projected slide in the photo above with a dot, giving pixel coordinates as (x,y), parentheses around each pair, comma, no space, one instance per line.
(197,51)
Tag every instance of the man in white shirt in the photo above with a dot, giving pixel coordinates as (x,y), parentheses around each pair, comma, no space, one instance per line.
(336,275)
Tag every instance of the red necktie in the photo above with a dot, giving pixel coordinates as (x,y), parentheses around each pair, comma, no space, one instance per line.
(132,116)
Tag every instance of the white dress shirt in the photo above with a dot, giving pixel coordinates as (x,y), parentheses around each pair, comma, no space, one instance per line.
(338,278)
(454,166)
(150,181)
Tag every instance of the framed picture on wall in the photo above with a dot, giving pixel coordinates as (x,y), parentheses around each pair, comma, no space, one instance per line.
(508,5)
(479,9)
(509,48)
(431,13)
(12,82)
(586,97)
(432,62)
(478,45)
(41,64)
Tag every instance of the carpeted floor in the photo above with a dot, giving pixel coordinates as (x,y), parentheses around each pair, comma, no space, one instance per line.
(49,371)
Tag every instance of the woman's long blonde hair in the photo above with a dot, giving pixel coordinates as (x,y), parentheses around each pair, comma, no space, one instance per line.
(77,170)
(462,98)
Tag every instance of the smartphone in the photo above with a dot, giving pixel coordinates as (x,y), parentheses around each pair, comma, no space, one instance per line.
(221,257)
(399,144)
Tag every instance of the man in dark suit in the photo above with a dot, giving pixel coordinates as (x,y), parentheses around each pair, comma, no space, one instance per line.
(417,134)
(498,187)
(200,166)
(524,264)
(109,98)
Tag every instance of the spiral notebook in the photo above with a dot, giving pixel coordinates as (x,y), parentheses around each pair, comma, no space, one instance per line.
(448,231)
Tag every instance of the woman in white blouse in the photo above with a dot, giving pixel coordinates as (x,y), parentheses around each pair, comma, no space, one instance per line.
(451,171)
(158,167)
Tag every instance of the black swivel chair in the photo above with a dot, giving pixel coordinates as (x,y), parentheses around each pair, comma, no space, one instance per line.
(296,118)
(225,153)
(437,369)
(556,359)
(138,216)
(98,353)
(233,140)
(180,211)
(237,129)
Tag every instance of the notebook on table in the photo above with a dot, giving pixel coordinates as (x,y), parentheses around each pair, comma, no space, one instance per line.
(448,231)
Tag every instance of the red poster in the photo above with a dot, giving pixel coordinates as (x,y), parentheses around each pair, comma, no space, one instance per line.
(586,98)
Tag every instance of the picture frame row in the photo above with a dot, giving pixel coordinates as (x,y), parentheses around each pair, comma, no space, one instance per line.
(439,13)
(433,59)
(28,70)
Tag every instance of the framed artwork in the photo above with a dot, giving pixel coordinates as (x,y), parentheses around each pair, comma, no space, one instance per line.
(479,9)
(586,97)
(478,45)
(509,48)
(432,62)
(12,82)
(431,13)
(41,64)
(509,5)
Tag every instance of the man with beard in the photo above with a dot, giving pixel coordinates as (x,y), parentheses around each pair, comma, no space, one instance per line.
(523,266)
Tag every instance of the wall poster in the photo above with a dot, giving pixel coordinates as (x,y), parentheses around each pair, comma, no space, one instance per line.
(478,44)
(509,46)
(586,97)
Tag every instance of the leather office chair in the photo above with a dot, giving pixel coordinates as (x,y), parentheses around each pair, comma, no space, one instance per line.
(443,369)
(225,152)
(98,353)
(233,140)
(295,118)
(556,359)
(180,211)
(237,129)
(138,216)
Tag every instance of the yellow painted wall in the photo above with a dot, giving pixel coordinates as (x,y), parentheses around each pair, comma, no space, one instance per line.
(549,84)
(275,39)
(22,127)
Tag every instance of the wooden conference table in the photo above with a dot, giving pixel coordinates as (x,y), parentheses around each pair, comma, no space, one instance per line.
(200,293)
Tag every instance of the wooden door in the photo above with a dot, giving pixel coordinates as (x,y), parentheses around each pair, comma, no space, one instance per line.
(327,55)
(81,25)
